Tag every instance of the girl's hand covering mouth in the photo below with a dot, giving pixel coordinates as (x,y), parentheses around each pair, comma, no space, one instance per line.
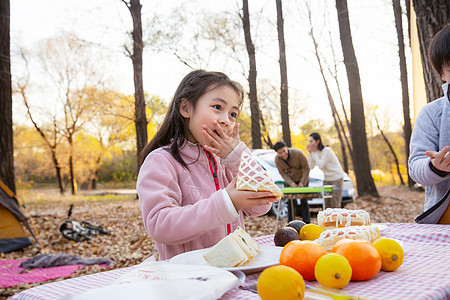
(221,143)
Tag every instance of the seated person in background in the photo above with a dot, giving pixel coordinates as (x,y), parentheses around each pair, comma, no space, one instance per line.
(324,157)
(429,160)
(293,167)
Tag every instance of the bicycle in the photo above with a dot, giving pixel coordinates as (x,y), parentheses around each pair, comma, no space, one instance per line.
(79,232)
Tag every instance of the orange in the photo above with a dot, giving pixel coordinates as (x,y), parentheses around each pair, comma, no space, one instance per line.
(362,256)
(280,282)
(302,256)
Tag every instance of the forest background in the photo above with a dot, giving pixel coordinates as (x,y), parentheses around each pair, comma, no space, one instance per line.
(78,100)
(72,79)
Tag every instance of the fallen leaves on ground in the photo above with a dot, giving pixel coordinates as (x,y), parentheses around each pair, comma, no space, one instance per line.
(128,244)
(395,205)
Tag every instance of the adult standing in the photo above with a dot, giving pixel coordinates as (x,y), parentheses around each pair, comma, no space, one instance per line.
(327,161)
(293,166)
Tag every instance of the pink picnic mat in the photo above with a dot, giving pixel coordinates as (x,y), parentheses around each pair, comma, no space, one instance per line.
(10,273)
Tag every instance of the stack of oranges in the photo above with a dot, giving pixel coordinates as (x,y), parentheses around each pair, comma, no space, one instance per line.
(302,256)
(366,259)
(349,260)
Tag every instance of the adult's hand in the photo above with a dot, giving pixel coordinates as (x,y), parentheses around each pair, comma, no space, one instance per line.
(441,159)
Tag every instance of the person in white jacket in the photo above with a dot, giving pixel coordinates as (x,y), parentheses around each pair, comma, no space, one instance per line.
(327,161)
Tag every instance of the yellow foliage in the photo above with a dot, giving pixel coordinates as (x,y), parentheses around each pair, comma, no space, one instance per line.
(31,155)
(378,175)
(390,177)
(300,141)
(107,133)
(245,132)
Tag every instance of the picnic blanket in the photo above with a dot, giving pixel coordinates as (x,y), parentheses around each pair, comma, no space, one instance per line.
(43,267)
(11,274)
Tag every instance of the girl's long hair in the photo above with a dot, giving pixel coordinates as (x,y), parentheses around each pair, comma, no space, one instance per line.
(174,129)
(317,137)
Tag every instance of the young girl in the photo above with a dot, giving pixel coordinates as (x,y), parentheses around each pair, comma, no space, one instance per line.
(327,161)
(187,180)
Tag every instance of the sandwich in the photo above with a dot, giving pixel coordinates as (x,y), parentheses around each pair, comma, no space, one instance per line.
(252,177)
(234,250)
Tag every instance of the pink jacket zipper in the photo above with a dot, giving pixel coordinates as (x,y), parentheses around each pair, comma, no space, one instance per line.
(216,180)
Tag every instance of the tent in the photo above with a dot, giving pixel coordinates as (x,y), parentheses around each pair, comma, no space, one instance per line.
(12,222)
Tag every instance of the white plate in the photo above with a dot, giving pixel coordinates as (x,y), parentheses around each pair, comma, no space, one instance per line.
(240,275)
(267,256)
(381,227)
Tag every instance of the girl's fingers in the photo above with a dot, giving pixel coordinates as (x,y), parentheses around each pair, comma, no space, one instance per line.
(210,149)
(211,136)
(236,131)
(263,201)
(264,195)
(257,195)
(219,129)
(209,131)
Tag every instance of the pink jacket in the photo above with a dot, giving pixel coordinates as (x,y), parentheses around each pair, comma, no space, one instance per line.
(181,209)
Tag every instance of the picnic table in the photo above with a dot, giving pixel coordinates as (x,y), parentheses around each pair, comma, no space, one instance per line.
(293,193)
(425,273)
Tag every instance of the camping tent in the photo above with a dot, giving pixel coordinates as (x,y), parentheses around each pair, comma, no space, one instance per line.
(12,234)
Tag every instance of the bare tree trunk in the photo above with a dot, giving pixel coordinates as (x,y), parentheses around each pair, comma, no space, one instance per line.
(334,74)
(392,151)
(432,16)
(284,98)
(344,153)
(73,179)
(364,179)
(254,106)
(58,170)
(350,149)
(140,121)
(6,124)
(70,128)
(334,113)
(404,80)
(98,161)
(95,174)
(392,176)
(408,17)
(336,125)
(266,136)
(52,145)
